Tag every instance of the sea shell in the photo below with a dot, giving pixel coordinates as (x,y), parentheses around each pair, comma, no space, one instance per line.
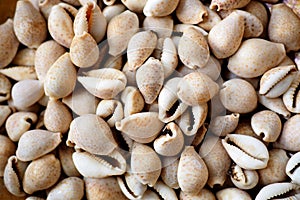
(130,75)
(131,187)
(192,171)
(145,164)
(275,104)
(9,43)
(7,148)
(256,56)
(187,15)
(119,31)
(41,142)
(242,178)
(164,191)
(45,7)
(227,4)
(169,171)
(276,81)
(91,133)
(204,194)
(193,49)
(132,100)
(162,26)
(253,25)
(5,194)
(169,57)
(18,123)
(294,5)
(142,127)
(150,195)
(111,11)
(232,194)
(292,168)
(149,79)
(112,110)
(29,25)
(210,20)
(266,124)
(19,73)
(196,88)
(61,78)
(291,96)
(158,8)
(5,88)
(223,125)
(275,190)
(246,151)
(216,160)
(5,112)
(66,160)
(198,137)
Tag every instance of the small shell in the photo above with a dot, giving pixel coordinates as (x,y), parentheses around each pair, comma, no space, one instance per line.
(65,157)
(119,31)
(192,171)
(46,5)
(164,191)
(5,112)
(136,6)
(130,75)
(7,148)
(256,56)
(158,8)
(41,174)
(9,43)
(5,194)
(292,168)
(232,194)
(169,57)
(216,160)
(169,171)
(5,88)
(29,25)
(191,16)
(41,142)
(109,2)
(225,37)
(104,83)
(149,79)
(162,26)
(253,25)
(18,123)
(24,57)
(223,125)
(196,88)
(238,95)
(210,20)
(131,187)
(193,49)
(291,96)
(61,78)
(103,166)
(242,178)
(276,190)
(111,11)
(91,133)
(112,110)
(19,73)
(133,101)
(246,151)
(204,194)
(150,195)
(145,164)
(276,81)
(266,124)
(227,4)
(275,105)
(142,127)
(27,92)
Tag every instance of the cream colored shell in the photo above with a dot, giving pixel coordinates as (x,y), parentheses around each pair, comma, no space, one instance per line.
(160,8)
(223,125)
(187,15)
(66,161)
(292,168)
(112,109)
(232,193)
(242,178)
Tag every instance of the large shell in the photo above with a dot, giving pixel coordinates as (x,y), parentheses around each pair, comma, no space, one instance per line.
(291,96)
(232,193)
(276,190)
(19,73)
(275,105)
(169,171)
(253,25)
(292,168)
(133,101)
(110,109)
(191,16)
(223,125)
(228,4)
(243,178)
(160,8)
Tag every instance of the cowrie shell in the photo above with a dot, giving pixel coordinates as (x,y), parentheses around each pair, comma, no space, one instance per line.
(243,178)
(210,20)
(112,109)
(162,26)
(253,25)
(133,101)
(291,96)
(158,8)
(20,73)
(191,16)
(277,189)
(292,168)
(111,11)
(203,194)
(169,171)
(223,125)
(232,193)
(135,5)
(227,4)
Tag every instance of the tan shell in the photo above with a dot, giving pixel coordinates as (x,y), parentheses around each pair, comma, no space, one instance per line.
(159,8)
(111,11)
(275,105)
(291,96)
(150,195)
(210,20)
(130,75)
(275,170)
(112,109)
(34,198)
(292,168)
(19,73)
(232,194)
(237,95)
(27,92)
(91,133)
(131,187)
(193,49)
(119,31)
(199,136)
(18,123)
(7,148)
(266,124)
(223,125)
(57,116)
(46,54)
(104,83)
(132,100)
(5,88)
(246,151)
(169,171)
(46,5)
(164,191)
(162,26)
(29,25)
(256,56)
(142,127)
(5,112)
(216,159)
(5,194)
(228,4)
(192,171)
(196,88)
(65,157)
(204,194)
(113,62)
(191,16)
(294,5)
(242,178)
(9,43)
(169,57)
(278,189)
(41,174)
(136,6)
(225,37)
(41,142)
(149,79)
(253,25)
(61,78)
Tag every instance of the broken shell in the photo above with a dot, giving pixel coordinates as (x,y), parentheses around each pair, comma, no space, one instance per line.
(119,31)
(142,127)
(131,187)
(104,83)
(66,160)
(111,11)
(192,171)
(112,110)
(292,168)
(242,178)
(19,73)
(216,160)
(18,123)
(170,142)
(5,88)
(91,133)
(276,81)
(57,116)
(159,8)
(266,124)
(246,151)
(196,88)
(61,78)
(169,171)
(46,54)
(283,18)
(274,104)
(5,112)
(204,194)
(253,25)
(193,49)
(164,191)
(238,95)
(9,43)
(227,4)
(256,56)
(71,188)
(291,96)
(41,142)
(162,26)
(7,148)
(29,25)
(133,101)
(41,174)
(276,190)
(232,194)
(210,20)
(27,92)
(149,79)
(223,125)
(225,37)
(190,16)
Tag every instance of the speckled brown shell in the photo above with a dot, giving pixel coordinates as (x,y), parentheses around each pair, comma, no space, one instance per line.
(5,88)
(7,148)
(191,16)
(159,8)
(228,4)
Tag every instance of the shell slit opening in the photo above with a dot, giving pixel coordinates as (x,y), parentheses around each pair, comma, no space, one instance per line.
(295,96)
